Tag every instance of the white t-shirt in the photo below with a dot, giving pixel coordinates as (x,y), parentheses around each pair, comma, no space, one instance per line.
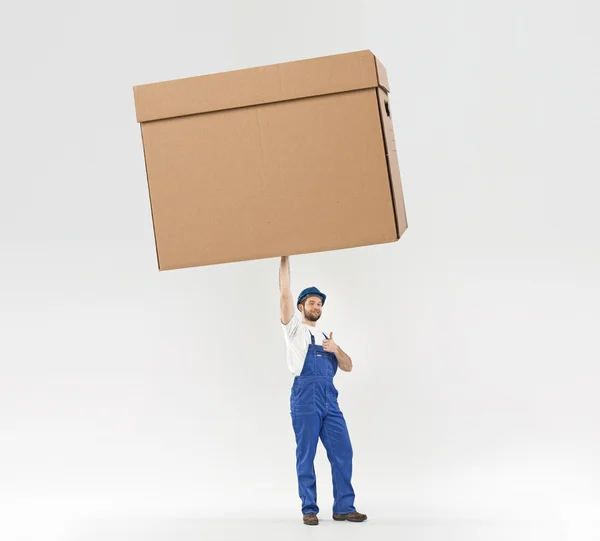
(297,339)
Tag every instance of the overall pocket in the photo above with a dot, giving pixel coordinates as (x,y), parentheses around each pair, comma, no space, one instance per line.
(303,397)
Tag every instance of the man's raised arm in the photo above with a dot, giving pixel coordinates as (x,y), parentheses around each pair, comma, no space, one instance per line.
(287,302)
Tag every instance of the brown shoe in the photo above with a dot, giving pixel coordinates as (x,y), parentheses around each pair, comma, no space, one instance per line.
(310,519)
(350,517)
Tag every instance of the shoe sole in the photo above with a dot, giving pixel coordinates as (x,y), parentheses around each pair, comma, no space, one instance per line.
(349,519)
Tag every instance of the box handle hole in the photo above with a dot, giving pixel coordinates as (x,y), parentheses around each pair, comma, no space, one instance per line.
(387,109)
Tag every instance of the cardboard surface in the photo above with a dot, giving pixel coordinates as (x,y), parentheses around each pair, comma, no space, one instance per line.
(278,160)
(255,86)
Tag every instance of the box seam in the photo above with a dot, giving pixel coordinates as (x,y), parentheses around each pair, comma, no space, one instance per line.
(259,104)
(387,159)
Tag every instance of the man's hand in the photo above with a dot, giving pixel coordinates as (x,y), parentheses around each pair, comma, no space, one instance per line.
(330,345)
(344,361)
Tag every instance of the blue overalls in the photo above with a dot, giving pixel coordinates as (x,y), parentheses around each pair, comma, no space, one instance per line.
(315,413)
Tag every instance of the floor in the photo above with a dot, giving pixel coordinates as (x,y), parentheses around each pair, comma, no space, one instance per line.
(374,529)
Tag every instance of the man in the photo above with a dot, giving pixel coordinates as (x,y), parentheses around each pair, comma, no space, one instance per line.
(314,358)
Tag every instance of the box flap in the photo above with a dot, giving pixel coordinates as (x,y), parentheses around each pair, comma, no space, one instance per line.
(259,85)
(382,76)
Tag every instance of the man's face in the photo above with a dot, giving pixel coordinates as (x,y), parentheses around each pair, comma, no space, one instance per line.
(312,308)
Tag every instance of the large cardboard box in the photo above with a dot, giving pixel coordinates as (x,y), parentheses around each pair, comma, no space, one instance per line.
(275,160)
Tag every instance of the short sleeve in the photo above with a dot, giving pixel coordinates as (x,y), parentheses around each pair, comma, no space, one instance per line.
(291,329)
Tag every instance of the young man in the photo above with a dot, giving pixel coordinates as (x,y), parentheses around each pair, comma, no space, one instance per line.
(314,358)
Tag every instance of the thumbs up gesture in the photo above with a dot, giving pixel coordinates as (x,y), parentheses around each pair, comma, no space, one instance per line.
(330,345)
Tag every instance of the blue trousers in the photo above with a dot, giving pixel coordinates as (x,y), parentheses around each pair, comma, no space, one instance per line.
(330,427)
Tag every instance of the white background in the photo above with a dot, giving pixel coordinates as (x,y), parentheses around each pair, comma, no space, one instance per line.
(137,401)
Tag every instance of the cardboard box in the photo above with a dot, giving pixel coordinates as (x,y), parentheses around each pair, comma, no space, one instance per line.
(275,160)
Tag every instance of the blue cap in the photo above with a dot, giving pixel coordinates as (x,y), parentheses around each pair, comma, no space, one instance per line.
(311,291)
